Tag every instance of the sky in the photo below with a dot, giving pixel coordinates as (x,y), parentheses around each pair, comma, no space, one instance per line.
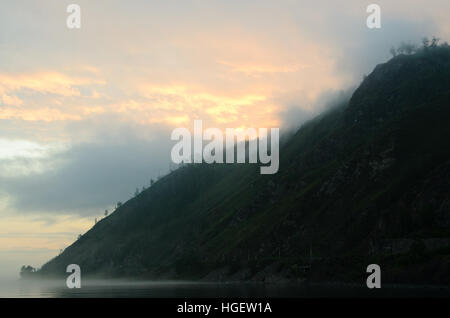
(86,114)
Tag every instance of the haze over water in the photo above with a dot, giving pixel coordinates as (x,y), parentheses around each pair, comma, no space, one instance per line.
(178,289)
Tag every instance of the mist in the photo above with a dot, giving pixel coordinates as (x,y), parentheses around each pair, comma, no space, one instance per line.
(97,125)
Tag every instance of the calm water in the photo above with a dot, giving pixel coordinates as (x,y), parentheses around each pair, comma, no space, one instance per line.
(18,288)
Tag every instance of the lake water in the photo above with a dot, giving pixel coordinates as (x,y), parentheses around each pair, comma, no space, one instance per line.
(123,289)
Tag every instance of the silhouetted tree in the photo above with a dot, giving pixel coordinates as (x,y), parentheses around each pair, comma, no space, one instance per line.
(106,212)
(136,193)
(27,271)
(434,42)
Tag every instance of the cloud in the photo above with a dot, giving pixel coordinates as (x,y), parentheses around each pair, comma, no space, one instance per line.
(295,114)
(39,96)
(88,177)
(40,114)
(46,82)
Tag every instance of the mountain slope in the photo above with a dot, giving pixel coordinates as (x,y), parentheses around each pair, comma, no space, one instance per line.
(368,182)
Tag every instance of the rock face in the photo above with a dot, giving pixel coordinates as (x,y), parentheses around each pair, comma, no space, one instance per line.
(368,182)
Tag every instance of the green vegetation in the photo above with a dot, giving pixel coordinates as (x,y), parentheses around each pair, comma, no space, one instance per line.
(367,182)
(27,271)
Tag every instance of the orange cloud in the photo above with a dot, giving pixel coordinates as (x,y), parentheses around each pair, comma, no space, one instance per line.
(46,82)
(40,114)
(184,101)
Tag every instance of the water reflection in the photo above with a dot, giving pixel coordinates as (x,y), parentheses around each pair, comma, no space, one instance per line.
(170,289)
